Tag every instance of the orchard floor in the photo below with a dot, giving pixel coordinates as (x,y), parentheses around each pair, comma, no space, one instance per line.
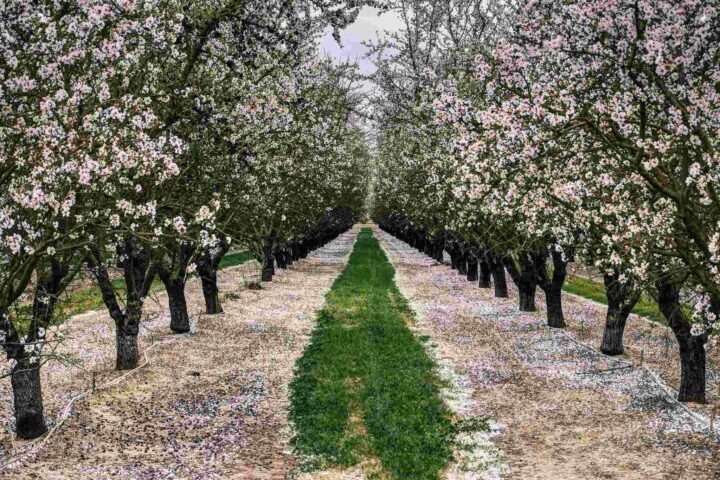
(207,405)
(564,410)
(214,404)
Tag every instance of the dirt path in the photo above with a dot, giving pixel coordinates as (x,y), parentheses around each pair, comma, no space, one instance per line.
(208,405)
(559,419)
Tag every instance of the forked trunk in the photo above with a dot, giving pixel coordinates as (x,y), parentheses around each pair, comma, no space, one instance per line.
(551,286)
(622,298)
(524,279)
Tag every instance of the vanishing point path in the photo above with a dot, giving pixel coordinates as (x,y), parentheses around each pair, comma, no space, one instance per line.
(369,360)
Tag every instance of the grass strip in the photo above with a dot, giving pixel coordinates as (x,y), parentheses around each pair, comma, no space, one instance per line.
(365,388)
(595,291)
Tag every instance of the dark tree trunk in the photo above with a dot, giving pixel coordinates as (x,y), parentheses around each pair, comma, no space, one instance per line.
(552,286)
(208,265)
(208,278)
(462,263)
(174,277)
(524,280)
(498,275)
(621,298)
(429,246)
(692,348)
(268,266)
(485,273)
(25,374)
(472,268)
(138,274)
(127,349)
(439,252)
(179,317)
(280,258)
(27,395)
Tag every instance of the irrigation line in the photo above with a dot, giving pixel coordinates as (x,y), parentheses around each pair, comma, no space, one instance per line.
(37,445)
(705,422)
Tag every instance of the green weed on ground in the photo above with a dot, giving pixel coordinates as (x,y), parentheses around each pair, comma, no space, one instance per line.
(365,387)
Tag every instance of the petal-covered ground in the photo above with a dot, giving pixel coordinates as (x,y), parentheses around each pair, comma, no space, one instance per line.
(564,410)
(207,405)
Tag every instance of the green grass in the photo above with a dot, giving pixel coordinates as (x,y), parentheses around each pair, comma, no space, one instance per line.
(89,298)
(365,388)
(595,291)
(235,259)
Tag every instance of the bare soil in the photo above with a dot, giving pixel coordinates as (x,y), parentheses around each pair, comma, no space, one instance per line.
(207,405)
(565,410)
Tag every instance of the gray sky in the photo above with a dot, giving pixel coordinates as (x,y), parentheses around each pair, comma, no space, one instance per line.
(366,27)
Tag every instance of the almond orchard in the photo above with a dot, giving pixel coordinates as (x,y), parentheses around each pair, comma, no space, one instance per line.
(224,254)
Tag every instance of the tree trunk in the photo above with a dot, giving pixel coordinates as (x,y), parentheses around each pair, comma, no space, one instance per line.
(485,274)
(138,274)
(127,350)
(692,348)
(454,260)
(27,394)
(280,258)
(438,250)
(524,280)
(268,267)
(208,265)
(462,263)
(472,268)
(498,275)
(25,374)
(208,278)
(551,286)
(621,298)
(553,303)
(174,277)
(179,317)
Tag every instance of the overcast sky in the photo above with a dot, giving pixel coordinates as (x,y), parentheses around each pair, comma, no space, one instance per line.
(366,27)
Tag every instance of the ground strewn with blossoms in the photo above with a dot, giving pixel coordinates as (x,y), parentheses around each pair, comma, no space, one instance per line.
(210,404)
(564,410)
(526,401)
